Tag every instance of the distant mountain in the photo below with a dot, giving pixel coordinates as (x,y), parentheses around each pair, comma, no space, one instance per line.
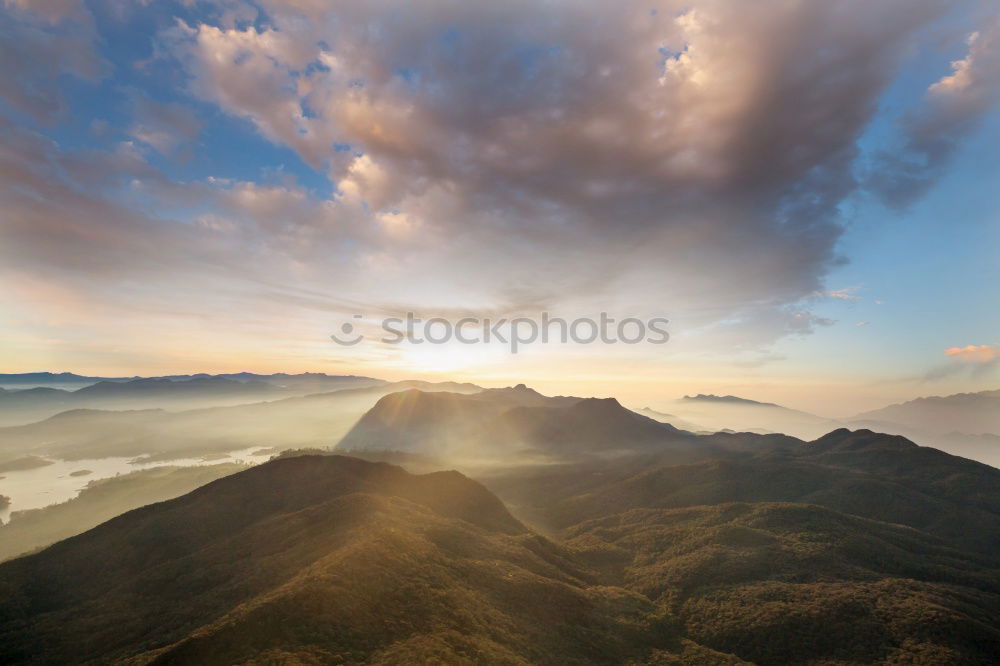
(306,382)
(37,403)
(177,392)
(218,385)
(728,399)
(501,424)
(139,388)
(27,405)
(41,378)
(969,413)
(728,412)
(965,424)
(672,419)
(317,378)
(316,420)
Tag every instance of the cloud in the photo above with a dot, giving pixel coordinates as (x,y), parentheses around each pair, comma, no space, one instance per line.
(845,294)
(52,11)
(163,126)
(40,41)
(954,106)
(58,219)
(977,354)
(971,361)
(695,153)
(689,161)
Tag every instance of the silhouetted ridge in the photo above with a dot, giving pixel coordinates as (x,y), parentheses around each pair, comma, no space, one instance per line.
(708,397)
(164,385)
(589,424)
(84,413)
(844,439)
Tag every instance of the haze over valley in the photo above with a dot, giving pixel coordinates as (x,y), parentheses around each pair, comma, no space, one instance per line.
(480,431)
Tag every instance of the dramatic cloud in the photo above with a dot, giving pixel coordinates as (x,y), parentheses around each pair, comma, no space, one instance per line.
(649,158)
(684,152)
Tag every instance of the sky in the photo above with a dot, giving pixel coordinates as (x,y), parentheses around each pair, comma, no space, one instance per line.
(807,191)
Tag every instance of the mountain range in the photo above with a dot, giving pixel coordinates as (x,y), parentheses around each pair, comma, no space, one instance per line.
(966,424)
(971,413)
(577,531)
(43,399)
(714,413)
(283,378)
(314,420)
(331,559)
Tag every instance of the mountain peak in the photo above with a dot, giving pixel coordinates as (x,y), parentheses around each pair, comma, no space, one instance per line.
(845,439)
(709,397)
(600,403)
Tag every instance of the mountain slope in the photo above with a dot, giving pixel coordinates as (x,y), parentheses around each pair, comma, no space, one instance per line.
(672,419)
(102,500)
(328,559)
(415,421)
(799,584)
(317,560)
(882,477)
